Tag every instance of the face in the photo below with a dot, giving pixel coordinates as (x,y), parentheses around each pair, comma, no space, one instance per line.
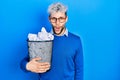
(58,20)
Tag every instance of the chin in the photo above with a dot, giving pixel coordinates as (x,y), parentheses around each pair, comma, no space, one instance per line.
(57,32)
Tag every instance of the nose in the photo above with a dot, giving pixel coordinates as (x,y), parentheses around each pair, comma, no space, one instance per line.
(57,21)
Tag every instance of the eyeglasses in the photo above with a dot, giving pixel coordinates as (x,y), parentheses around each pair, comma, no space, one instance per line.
(60,19)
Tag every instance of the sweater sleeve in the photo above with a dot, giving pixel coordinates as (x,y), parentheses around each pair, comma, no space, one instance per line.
(79,62)
(23,64)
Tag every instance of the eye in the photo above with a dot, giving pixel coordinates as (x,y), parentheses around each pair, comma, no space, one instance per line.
(53,18)
(62,19)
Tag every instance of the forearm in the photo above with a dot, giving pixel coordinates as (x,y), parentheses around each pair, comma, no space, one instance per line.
(23,64)
(79,63)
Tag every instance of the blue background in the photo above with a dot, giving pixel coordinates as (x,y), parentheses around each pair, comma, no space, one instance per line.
(96,21)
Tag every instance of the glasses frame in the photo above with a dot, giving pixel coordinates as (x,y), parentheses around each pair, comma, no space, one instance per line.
(60,19)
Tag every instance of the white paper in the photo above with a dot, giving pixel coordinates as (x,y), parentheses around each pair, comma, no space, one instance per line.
(41,36)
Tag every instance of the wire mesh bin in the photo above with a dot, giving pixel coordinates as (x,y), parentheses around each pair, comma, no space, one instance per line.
(42,49)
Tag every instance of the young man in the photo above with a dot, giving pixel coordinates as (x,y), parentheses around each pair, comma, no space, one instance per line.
(67,54)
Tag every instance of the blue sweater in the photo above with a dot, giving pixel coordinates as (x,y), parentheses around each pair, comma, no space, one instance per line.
(67,59)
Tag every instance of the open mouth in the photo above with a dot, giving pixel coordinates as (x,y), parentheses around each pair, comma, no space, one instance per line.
(57,29)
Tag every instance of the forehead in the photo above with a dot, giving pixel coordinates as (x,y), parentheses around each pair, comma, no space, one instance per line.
(58,14)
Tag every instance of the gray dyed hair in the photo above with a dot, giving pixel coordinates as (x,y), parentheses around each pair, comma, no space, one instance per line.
(57,7)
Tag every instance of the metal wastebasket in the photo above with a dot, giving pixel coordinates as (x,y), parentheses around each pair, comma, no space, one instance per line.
(42,49)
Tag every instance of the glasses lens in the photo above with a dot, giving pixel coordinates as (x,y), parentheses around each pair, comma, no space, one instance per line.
(53,19)
(61,19)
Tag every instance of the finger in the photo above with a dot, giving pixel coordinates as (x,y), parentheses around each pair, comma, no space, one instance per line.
(38,70)
(42,70)
(47,68)
(44,64)
(41,67)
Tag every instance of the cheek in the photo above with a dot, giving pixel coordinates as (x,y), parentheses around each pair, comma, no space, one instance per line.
(61,24)
(53,24)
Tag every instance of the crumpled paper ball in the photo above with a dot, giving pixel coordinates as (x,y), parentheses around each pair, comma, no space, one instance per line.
(41,36)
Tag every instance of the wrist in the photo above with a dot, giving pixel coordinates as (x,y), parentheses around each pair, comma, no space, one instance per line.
(27,66)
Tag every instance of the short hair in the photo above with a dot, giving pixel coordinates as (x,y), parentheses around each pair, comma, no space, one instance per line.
(57,7)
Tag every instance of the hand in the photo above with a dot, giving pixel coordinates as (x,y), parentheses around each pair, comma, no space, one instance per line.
(37,67)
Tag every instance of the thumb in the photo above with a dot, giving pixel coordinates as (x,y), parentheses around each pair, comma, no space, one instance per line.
(36,59)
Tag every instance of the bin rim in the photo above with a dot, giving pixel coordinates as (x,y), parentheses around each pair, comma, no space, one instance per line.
(40,41)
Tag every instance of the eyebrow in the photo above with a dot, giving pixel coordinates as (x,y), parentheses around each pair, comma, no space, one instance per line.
(59,17)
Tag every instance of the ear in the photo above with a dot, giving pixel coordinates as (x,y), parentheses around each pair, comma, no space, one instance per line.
(49,18)
(66,18)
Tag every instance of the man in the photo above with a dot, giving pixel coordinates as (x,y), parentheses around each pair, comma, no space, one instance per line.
(67,54)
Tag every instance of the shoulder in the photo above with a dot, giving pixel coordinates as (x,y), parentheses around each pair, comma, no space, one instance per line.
(75,39)
(73,36)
